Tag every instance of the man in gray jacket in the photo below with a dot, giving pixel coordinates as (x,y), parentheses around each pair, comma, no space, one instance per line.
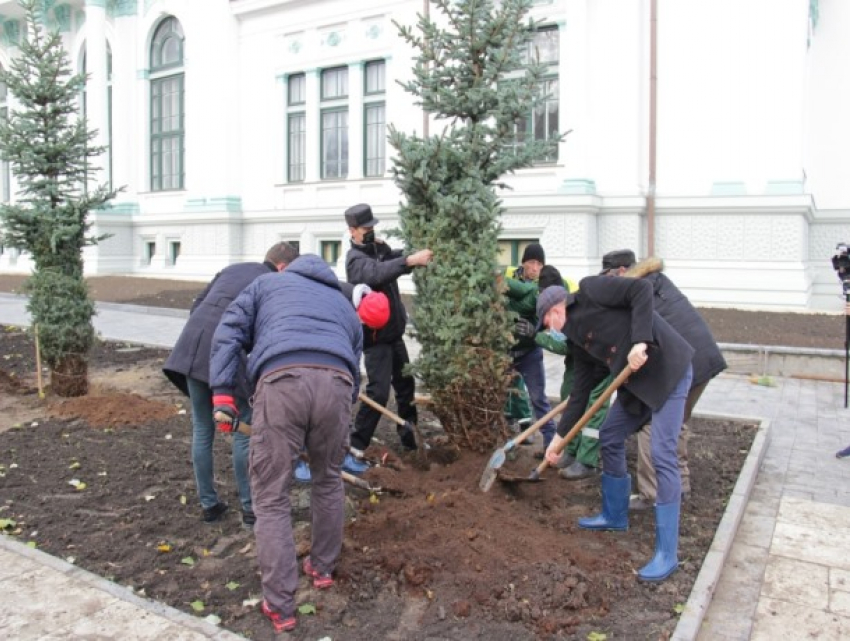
(305,342)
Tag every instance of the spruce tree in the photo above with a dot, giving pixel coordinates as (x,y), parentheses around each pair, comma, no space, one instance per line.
(48,145)
(473,74)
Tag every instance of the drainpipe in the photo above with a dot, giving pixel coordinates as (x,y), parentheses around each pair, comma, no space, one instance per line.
(653,125)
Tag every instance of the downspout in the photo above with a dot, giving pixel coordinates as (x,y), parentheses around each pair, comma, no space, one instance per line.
(653,125)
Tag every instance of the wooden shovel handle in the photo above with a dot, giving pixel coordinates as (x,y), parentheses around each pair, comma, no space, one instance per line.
(383,410)
(519,438)
(621,378)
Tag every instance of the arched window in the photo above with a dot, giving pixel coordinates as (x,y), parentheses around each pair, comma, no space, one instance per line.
(108,138)
(167,132)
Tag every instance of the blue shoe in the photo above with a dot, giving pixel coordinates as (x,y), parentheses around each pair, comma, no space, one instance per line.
(666,560)
(354,466)
(615,505)
(302,472)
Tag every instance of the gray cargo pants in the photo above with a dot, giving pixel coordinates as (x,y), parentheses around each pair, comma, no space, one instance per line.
(294,406)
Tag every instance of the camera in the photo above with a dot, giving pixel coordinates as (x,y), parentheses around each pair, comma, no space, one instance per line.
(841,264)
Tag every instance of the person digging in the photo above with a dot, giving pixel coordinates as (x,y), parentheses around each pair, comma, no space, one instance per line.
(610,320)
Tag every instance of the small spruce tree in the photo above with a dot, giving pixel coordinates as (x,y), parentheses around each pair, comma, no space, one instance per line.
(48,145)
(473,74)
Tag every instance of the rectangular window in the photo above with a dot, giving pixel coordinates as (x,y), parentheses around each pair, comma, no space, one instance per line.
(542,121)
(374,119)
(335,83)
(297,147)
(330,251)
(297,85)
(167,134)
(335,143)
(173,252)
(150,251)
(510,251)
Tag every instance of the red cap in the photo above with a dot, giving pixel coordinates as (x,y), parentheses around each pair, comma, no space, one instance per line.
(374,310)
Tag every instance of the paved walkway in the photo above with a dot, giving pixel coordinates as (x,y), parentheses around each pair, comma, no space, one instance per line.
(786,574)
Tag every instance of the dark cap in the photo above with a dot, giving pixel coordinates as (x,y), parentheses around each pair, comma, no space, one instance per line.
(549,275)
(616,259)
(547,299)
(360,216)
(534,251)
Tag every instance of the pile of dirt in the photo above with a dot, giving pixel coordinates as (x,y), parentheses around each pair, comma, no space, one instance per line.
(106,408)
(441,560)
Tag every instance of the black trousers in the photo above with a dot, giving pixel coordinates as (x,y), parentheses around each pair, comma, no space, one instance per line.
(384,367)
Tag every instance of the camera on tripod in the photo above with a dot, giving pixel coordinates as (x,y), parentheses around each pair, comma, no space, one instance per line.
(841,264)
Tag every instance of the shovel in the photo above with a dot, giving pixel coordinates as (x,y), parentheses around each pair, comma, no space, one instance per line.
(497,459)
(395,418)
(621,378)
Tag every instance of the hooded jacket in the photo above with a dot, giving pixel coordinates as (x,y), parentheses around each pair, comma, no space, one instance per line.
(379,267)
(297,317)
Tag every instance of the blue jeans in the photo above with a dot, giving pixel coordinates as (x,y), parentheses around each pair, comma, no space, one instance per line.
(203,435)
(666,424)
(530,365)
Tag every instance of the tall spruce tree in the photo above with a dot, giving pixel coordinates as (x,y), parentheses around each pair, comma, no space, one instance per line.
(48,145)
(474,75)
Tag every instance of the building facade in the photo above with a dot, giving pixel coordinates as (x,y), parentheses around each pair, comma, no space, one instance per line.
(233,125)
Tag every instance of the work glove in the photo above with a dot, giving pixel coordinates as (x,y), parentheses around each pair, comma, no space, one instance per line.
(524,329)
(225,414)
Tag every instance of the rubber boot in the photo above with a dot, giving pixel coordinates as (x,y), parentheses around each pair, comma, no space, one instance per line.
(615,505)
(666,559)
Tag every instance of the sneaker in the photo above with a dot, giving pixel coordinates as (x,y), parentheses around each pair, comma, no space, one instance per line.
(576,471)
(215,513)
(248,520)
(408,438)
(353,466)
(280,622)
(302,472)
(320,581)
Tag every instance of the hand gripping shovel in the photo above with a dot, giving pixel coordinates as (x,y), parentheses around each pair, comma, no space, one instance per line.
(497,459)
(621,378)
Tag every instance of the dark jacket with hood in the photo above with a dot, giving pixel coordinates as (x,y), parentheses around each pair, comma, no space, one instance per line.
(605,319)
(297,317)
(379,266)
(191,354)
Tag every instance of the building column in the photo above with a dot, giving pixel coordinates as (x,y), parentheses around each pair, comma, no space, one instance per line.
(356,125)
(97,108)
(313,151)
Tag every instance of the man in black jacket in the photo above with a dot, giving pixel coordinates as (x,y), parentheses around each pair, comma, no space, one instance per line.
(611,321)
(188,367)
(674,307)
(371,261)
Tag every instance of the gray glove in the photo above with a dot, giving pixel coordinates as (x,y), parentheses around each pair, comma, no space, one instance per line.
(524,329)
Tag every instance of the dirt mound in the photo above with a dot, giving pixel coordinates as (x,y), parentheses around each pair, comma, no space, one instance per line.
(105,408)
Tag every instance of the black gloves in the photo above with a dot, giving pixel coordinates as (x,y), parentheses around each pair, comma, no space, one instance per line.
(524,329)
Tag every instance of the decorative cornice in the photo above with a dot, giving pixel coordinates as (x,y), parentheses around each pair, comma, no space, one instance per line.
(226,203)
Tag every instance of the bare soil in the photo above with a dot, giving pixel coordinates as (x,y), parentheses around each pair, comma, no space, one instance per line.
(437,559)
(822,331)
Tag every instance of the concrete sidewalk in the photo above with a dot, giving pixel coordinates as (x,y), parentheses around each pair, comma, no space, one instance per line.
(784,572)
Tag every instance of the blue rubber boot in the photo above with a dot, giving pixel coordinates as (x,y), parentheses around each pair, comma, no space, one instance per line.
(666,558)
(302,472)
(354,466)
(615,505)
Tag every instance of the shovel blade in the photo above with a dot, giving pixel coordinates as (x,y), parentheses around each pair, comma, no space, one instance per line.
(497,460)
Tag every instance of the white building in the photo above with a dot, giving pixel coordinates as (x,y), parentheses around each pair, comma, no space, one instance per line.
(236,124)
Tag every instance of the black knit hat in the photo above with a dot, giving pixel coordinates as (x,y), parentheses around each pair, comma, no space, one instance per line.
(616,259)
(534,251)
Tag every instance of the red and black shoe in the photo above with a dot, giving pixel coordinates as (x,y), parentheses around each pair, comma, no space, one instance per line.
(320,581)
(280,622)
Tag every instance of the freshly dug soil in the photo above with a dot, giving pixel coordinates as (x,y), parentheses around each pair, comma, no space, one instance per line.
(436,559)
(823,331)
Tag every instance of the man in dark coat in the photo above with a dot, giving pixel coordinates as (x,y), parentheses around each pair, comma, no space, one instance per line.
(305,342)
(611,321)
(371,261)
(674,307)
(188,367)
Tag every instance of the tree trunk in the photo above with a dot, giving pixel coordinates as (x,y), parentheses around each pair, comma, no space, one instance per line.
(70,376)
